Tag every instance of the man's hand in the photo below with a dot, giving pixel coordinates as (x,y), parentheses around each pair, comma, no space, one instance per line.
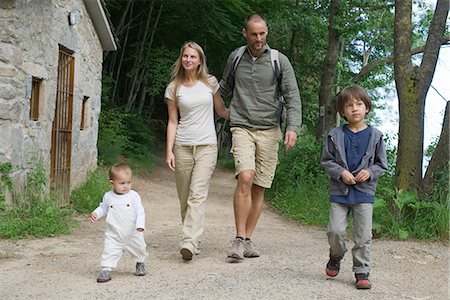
(290,139)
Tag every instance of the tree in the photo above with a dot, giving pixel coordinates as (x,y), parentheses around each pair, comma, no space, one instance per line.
(412,84)
(439,163)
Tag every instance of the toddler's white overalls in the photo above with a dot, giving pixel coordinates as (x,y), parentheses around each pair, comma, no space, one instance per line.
(121,234)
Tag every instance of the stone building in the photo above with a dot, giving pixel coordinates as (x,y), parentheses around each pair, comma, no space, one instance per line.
(51,55)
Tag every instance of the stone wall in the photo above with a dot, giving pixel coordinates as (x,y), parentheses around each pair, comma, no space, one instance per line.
(30,34)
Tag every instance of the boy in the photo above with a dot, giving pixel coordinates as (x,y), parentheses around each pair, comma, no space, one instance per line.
(125,218)
(354,157)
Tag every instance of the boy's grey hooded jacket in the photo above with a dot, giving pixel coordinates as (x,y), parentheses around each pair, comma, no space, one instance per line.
(335,162)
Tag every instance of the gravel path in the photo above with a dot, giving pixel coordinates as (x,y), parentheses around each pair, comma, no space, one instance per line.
(291,265)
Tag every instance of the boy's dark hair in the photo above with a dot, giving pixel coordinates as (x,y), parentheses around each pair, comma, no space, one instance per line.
(350,92)
(116,168)
(254,16)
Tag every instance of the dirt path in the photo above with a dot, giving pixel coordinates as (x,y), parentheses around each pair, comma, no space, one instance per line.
(291,265)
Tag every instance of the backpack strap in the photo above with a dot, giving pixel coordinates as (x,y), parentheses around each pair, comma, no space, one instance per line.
(237,58)
(275,61)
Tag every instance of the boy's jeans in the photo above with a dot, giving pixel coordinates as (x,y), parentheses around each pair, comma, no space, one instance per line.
(194,168)
(362,233)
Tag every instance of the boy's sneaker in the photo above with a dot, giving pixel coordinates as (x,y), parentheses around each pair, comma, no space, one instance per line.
(249,249)
(237,250)
(362,281)
(105,275)
(140,269)
(333,266)
(186,254)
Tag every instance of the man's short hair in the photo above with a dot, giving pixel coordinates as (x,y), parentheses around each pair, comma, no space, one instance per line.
(254,17)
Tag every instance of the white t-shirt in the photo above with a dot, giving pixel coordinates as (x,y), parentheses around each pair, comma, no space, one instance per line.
(196,108)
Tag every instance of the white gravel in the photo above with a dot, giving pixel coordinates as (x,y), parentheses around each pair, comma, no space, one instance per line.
(291,265)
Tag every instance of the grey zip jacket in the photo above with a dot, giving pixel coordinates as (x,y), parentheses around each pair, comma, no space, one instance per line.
(335,162)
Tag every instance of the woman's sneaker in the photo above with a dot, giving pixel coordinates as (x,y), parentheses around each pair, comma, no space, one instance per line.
(333,266)
(362,281)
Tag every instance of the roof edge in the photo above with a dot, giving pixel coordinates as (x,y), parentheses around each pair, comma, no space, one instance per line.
(101,24)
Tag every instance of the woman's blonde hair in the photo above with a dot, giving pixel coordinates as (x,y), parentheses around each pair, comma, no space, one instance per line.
(178,73)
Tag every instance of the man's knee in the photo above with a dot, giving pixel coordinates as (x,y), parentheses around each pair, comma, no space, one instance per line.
(246,177)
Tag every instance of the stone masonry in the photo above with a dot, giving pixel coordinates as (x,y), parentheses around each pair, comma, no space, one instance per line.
(31,32)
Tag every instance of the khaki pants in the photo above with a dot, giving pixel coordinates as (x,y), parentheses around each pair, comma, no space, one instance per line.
(194,167)
(362,233)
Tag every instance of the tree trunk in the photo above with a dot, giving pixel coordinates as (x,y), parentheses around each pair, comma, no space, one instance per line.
(122,54)
(118,31)
(327,109)
(439,163)
(141,97)
(412,84)
(137,63)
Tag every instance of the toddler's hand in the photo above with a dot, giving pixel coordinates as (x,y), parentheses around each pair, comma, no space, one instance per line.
(140,229)
(93,217)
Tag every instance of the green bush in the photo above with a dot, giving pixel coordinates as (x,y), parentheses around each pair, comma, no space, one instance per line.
(88,196)
(34,213)
(126,137)
(299,189)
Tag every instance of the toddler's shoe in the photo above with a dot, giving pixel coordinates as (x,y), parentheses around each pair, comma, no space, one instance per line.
(333,266)
(362,281)
(140,269)
(105,275)
(186,254)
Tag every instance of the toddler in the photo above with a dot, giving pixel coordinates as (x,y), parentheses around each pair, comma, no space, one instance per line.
(125,218)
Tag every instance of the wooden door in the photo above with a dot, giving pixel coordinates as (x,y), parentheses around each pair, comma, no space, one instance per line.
(61,148)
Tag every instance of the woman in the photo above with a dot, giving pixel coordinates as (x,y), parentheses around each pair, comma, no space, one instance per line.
(191,149)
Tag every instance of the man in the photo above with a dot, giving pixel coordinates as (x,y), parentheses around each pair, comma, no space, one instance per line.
(255,126)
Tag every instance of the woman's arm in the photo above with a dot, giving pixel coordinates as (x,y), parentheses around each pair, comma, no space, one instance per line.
(172,125)
(219,106)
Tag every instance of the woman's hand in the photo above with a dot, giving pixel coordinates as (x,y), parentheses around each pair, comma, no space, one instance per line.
(170,161)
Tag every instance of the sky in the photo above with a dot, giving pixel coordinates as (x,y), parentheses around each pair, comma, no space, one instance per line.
(434,103)
(437,97)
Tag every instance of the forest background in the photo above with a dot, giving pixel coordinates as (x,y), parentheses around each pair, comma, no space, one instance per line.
(330,44)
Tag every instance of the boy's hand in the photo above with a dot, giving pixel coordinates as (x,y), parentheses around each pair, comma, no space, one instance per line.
(140,229)
(93,217)
(362,176)
(348,178)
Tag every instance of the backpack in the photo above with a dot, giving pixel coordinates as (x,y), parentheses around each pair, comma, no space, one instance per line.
(275,62)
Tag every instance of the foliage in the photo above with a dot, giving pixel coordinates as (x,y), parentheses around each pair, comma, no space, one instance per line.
(126,136)
(87,197)
(299,188)
(34,213)
(6,184)
(408,217)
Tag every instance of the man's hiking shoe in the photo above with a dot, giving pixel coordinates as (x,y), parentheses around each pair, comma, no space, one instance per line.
(140,269)
(104,276)
(249,249)
(186,254)
(237,250)
(362,281)
(333,266)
